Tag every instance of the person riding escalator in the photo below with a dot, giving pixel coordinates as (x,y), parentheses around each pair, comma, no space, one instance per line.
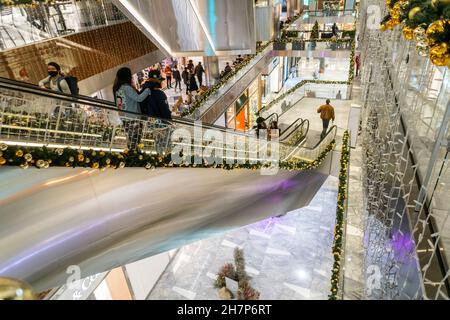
(156,104)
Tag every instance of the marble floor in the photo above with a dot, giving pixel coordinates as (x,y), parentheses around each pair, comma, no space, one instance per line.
(288,257)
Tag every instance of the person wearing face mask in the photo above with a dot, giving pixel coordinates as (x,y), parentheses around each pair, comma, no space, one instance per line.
(55,80)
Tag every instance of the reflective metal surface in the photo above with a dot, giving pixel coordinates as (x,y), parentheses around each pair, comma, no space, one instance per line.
(50,219)
(195,27)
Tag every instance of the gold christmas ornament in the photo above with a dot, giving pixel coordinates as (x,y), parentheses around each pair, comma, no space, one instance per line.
(419,33)
(435,28)
(12,289)
(439,54)
(413,12)
(408,33)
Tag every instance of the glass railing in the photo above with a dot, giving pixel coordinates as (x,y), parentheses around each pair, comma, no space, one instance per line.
(34,117)
(306,89)
(204,103)
(28,23)
(299,44)
(328,13)
(308,154)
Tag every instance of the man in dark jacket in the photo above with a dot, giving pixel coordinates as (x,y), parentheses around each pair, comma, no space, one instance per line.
(177,77)
(199,71)
(156,105)
(185,76)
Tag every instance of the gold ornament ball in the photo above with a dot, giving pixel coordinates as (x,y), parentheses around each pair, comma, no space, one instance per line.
(419,33)
(408,33)
(439,54)
(413,12)
(12,289)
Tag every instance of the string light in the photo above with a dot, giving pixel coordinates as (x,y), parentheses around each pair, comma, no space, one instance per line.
(340,215)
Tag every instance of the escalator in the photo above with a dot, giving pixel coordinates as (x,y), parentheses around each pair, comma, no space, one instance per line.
(54,217)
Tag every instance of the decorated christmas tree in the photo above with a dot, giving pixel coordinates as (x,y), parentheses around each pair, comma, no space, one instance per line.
(314,34)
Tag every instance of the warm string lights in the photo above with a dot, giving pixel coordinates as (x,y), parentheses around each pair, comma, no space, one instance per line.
(43,157)
(426,22)
(337,249)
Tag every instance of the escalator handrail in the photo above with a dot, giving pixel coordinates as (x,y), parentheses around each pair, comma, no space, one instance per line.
(60,95)
(102,104)
(302,123)
(332,129)
(97,103)
(291,125)
(231,87)
(276,114)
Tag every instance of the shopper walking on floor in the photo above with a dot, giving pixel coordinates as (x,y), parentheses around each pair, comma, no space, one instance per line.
(168,73)
(185,76)
(326,114)
(177,77)
(192,83)
(199,71)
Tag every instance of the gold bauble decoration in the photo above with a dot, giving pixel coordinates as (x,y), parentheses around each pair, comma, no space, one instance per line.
(435,28)
(389,25)
(439,54)
(413,12)
(408,33)
(422,49)
(12,289)
(419,33)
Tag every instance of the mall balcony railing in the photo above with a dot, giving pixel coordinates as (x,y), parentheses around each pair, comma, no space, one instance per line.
(35,117)
(209,109)
(23,24)
(328,13)
(305,89)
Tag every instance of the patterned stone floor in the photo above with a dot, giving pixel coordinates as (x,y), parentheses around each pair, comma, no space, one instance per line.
(288,257)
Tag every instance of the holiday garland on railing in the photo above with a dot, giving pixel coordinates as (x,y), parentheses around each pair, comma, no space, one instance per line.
(200,99)
(427,22)
(43,157)
(337,249)
(298,86)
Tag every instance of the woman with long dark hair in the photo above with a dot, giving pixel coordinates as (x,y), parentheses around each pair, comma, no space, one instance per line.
(127,98)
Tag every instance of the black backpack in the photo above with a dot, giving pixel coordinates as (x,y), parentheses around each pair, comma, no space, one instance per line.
(72,82)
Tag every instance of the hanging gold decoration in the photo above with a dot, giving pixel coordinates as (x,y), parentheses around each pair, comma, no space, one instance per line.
(422,49)
(435,28)
(12,289)
(419,33)
(408,33)
(439,54)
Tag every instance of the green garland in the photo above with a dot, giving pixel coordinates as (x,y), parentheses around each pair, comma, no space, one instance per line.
(298,86)
(43,157)
(337,249)
(200,99)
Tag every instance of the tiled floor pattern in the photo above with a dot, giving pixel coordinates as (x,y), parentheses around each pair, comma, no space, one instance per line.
(288,257)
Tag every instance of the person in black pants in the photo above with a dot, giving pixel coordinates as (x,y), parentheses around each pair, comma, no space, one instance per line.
(185,76)
(199,71)
(192,83)
(177,77)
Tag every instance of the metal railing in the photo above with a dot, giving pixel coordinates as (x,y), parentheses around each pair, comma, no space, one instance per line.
(25,24)
(305,88)
(33,116)
(299,152)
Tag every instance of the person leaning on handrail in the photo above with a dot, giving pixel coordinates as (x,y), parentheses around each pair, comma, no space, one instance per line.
(127,98)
